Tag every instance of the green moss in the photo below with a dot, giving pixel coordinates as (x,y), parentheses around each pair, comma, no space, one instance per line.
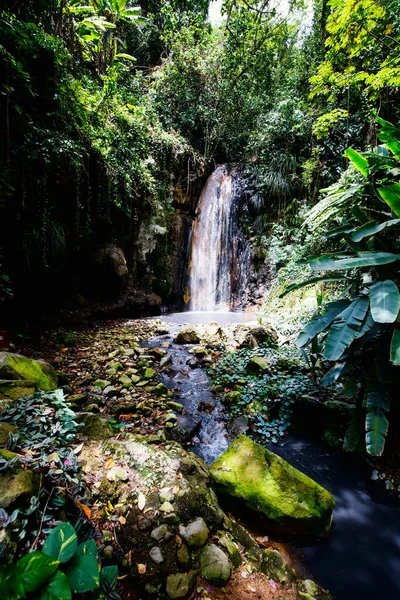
(290,500)
(15,366)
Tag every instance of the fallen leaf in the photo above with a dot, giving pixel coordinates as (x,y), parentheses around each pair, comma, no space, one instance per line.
(141,501)
(86,509)
(141,568)
(272,584)
(178,540)
(262,541)
(78,448)
(122,520)
(110,463)
(110,506)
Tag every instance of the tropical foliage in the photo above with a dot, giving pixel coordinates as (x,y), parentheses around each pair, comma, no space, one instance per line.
(361,328)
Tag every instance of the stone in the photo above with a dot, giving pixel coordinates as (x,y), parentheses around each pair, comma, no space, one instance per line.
(215,565)
(157,353)
(176,406)
(17,485)
(183,556)
(166,360)
(5,430)
(187,335)
(102,383)
(135,379)
(180,585)
(159,533)
(95,428)
(171,417)
(160,389)
(167,508)
(290,501)
(129,352)
(16,366)
(126,381)
(186,427)
(231,549)
(195,533)
(156,555)
(109,390)
(258,364)
(274,566)
(149,373)
(15,389)
(200,351)
(308,590)
(166,495)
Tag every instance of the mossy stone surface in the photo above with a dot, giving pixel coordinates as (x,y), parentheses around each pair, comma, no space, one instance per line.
(215,565)
(15,389)
(179,585)
(16,485)
(95,428)
(16,366)
(291,501)
(258,364)
(274,566)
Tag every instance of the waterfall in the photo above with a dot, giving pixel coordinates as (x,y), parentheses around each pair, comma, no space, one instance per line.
(219,252)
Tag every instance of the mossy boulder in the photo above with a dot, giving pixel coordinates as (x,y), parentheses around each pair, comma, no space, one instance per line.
(179,585)
(187,335)
(16,366)
(5,430)
(195,534)
(215,565)
(308,590)
(290,501)
(275,567)
(232,550)
(17,485)
(94,427)
(14,389)
(232,397)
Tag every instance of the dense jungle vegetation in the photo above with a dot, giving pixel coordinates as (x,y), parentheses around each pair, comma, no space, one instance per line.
(113,115)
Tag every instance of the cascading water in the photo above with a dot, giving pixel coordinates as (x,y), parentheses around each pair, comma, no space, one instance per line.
(220,254)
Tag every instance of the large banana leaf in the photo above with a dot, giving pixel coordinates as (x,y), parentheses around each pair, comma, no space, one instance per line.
(376,423)
(345,328)
(371,228)
(354,431)
(395,348)
(333,374)
(391,195)
(390,135)
(363,259)
(347,228)
(385,301)
(358,160)
(321,322)
(297,286)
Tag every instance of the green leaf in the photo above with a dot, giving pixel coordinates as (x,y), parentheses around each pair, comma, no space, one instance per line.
(61,543)
(395,348)
(333,374)
(89,547)
(320,322)
(109,576)
(354,431)
(297,286)
(371,228)
(348,228)
(390,135)
(83,574)
(125,56)
(57,588)
(391,195)
(376,423)
(34,569)
(358,160)
(385,301)
(363,259)
(345,328)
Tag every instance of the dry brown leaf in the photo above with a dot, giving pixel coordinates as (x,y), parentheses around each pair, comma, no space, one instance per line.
(178,539)
(86,509)
(263,541)
(141,501)
(110,463)
(122,520)
(141,568)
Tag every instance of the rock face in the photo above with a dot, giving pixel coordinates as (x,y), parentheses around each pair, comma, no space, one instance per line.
(275,567)
(290,501)
(18,367)
(17,485)
(110,271)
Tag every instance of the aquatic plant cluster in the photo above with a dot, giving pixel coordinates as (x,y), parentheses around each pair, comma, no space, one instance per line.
(267,398)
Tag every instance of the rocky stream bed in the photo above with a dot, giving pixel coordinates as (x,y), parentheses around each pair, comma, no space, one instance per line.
(150,428)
